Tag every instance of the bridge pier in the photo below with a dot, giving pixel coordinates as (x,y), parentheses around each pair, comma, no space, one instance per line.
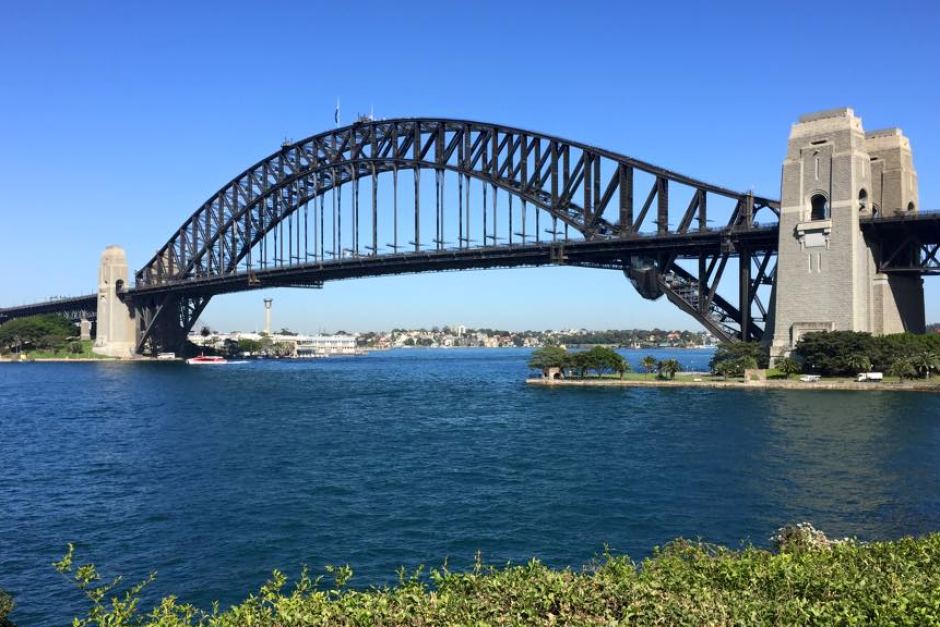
(164,321)
(115,326)
(834,176)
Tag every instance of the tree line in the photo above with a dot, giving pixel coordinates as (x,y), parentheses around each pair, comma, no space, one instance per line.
(40,332)
(599,359)
(838,353)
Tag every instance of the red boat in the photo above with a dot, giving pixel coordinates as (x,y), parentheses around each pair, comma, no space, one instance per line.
(204,360)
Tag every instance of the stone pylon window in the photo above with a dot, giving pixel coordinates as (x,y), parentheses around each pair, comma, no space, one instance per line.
(820,207)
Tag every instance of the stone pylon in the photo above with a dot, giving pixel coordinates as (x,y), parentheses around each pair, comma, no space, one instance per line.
(116,335)
(834,176)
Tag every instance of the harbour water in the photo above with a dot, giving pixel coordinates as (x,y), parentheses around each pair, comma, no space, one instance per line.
(215,476)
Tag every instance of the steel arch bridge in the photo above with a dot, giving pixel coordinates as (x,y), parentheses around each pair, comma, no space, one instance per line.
(354,202)
(284,222)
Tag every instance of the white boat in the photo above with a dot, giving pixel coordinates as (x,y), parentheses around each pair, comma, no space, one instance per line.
(206,360)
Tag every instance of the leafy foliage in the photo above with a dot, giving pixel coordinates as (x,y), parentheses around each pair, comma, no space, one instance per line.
(35,332)
(6,606)
(788,366)
(600,359)
(649,363)
(248,345)
(734,366)
(736,350)
(902,369)
(839,353)
(548,357)
(810,580)
(858,363)
(926,362)
(668,368)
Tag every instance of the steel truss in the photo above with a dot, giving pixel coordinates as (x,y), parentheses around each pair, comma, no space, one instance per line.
(259,222)
(906,243)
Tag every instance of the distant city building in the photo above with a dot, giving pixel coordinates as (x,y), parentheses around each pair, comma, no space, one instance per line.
(324,345)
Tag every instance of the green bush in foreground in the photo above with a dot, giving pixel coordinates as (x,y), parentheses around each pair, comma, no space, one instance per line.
(810,580)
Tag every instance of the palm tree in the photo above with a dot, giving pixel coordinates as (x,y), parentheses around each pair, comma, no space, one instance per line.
(649,363)
(668,368)
(788,366)
(926,361)
(858,362)
(902,368)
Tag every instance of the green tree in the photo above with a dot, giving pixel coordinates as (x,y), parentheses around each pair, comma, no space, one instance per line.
(248,345)
(734,366)
(580,362)
(858,363)
(832,352)
(649,364)
(788,366)
(35,332)
(735,350)
(205,331)
(602,359)
(926,361)
(725,368)
(902,369)
(548,357)
(668,368)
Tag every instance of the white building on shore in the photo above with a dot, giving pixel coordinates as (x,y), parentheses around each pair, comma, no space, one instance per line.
(325,345)
(300,345)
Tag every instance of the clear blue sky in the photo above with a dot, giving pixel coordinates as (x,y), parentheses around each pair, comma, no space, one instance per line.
(117,120)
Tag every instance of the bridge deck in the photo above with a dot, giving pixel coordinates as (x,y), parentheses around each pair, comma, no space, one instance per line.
(77,307)
(604,252)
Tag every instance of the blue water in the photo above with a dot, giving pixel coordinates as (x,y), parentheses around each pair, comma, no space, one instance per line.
(215,476)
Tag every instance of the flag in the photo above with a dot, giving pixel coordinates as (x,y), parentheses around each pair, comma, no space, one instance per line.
(336,113)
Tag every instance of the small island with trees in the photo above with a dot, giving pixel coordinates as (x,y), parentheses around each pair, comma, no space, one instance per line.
(841,360)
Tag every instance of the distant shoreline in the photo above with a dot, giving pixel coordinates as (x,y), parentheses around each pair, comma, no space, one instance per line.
(907,386)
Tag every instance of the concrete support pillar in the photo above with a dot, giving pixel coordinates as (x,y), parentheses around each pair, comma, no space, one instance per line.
(834,176)
(85,329)
(116,335)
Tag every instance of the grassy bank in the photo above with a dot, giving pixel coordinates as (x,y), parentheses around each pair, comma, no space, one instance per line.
(809,581)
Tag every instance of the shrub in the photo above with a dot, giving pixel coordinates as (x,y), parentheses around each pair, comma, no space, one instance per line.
(6,607)
(811,580)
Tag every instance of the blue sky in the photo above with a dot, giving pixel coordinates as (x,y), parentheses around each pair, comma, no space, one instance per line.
(117,120)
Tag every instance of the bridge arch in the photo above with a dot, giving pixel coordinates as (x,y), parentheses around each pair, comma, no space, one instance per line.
(585,189)
(560,177)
